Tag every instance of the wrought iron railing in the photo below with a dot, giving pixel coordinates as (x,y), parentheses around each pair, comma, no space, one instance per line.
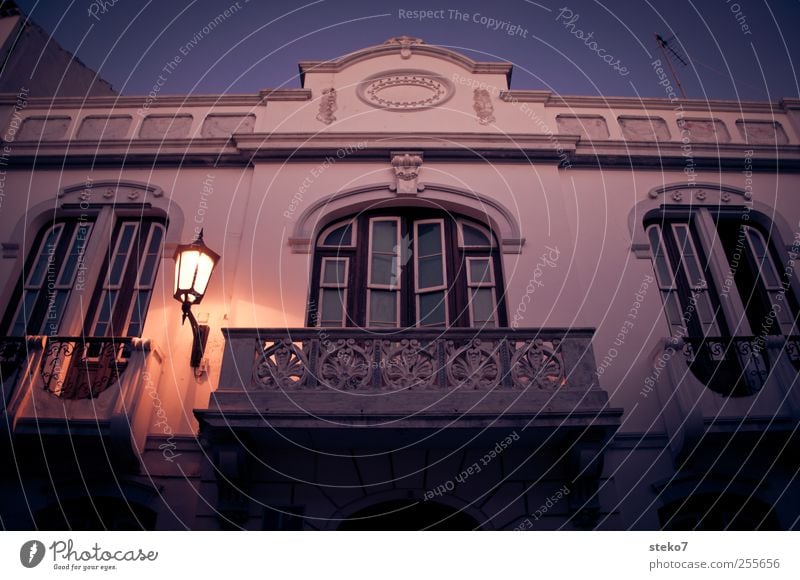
(83,367)
(732,366)
(415,359)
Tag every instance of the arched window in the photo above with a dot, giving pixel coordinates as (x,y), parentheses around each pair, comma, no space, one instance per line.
(725,290)
(62,276)
(404,269)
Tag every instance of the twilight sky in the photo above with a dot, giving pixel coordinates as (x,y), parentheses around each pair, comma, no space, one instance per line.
(746,49)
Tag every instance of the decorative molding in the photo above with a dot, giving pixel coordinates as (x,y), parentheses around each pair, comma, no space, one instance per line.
(405,90)
(484,109)
(404,46)
(327,106)
(10,250)
(406,170)
(347,360)
(405,43)
(679,195)
(480,207)
(111,191)
(700,194)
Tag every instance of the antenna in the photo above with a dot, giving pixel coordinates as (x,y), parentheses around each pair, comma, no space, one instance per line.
(669,55)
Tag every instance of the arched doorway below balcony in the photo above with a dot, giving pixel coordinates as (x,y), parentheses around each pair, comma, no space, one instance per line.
(409,515)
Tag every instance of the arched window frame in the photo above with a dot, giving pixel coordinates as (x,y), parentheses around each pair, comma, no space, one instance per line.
(104,205)
(359,288)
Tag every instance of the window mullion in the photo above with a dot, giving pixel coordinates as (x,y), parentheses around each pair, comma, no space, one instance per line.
(731,305)
(94,253)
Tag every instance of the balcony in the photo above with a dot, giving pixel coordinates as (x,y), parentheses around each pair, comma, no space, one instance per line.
(714,388)
(426,378)
(78,395)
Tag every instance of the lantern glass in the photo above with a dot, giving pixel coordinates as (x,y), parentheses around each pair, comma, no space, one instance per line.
(194,264)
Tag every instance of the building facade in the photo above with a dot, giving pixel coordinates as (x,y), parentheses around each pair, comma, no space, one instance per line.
(441,303)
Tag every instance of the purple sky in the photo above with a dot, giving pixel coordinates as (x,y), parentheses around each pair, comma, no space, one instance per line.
(259,45)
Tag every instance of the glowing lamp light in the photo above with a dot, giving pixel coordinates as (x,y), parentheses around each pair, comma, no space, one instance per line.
(194,264)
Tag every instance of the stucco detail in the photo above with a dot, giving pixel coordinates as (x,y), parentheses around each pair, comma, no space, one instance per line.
(44,128)
(644,128)
(469,203)
(113,127)
(227,125)
(587,126)
(705,130)
(405,90)
(762,132)
(166,127)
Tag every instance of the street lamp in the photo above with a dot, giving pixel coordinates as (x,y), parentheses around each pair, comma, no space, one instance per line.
(194,264)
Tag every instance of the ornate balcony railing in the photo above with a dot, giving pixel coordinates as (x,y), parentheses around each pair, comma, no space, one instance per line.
(732,366)
(409,359)
(409,378)
(83,386)
(82,368)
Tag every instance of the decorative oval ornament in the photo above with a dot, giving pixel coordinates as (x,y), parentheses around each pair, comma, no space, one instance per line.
(405,90)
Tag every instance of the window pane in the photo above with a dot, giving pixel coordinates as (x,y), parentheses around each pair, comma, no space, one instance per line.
(342,236)
(125,240)
(138,312)
(429,240)
(55,311)
(763,260)
(705,313)
(758,244)
(672,306)
(431,309)
(480,272)
(24,314)
(148,270)
(149,267)
(46,255)
(332,307)
(384,236)
(430,272)
(383,270)
(482,306)
(474,236)
(155,240)
(662,267)
(104,318)
(383,307)
(333,272)
(75,254)
(688,256)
